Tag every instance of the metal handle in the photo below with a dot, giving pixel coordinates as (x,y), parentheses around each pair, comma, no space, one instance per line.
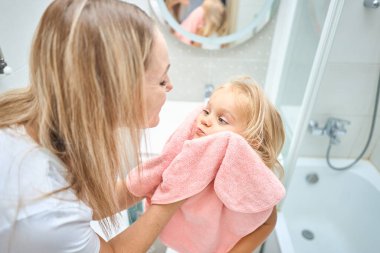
(371,4)
(334,128)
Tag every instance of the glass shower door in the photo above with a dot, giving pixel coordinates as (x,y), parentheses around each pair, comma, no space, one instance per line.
(303,43)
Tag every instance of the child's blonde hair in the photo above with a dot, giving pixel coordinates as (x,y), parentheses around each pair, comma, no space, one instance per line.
(214,18)
(264,128)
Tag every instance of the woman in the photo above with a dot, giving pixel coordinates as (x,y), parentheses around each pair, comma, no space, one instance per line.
(98,74)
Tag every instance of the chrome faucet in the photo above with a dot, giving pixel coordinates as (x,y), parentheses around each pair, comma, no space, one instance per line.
(334,128)
(371,4)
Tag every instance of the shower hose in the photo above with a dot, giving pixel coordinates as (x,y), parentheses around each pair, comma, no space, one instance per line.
(368,140)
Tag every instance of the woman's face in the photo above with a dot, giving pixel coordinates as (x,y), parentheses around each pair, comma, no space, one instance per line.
(157,81)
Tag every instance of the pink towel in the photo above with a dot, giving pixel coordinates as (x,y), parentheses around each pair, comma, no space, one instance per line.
(230,191)
(192,23)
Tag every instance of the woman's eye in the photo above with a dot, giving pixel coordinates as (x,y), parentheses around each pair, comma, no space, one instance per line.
(222,121)
(163,83)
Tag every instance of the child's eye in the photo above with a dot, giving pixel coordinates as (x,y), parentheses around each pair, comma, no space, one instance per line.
(223,121)
(205,112)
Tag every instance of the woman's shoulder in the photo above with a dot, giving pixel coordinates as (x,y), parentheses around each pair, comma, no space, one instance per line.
(22,156)
(29,172)
(29,176)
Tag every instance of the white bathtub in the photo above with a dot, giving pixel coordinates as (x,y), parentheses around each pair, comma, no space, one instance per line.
(342,210)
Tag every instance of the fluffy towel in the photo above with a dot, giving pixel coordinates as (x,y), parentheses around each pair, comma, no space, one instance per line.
(230,191)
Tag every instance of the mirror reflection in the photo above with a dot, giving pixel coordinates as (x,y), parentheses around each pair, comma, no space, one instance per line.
(214,24)
(205,18)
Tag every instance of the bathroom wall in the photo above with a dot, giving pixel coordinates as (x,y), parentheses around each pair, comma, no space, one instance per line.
(349,84)
(375,156)
(18,20)
(191,68)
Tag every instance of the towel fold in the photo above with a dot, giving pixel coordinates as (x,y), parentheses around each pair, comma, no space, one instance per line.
(229,188)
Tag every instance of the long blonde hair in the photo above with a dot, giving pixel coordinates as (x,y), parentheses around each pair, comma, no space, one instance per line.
(87,65)
(264,128)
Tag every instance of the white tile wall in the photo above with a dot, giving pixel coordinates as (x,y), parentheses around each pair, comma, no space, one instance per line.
(18,20)
(192,67)
(349,84)
(358,35)
(362,138)
(375,156)
(348,89)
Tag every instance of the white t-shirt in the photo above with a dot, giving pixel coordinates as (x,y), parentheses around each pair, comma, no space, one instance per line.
(30,222)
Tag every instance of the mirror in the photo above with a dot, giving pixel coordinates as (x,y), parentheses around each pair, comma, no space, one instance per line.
(214,24)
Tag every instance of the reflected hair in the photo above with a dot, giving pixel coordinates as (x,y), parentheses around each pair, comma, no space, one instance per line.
(214,18)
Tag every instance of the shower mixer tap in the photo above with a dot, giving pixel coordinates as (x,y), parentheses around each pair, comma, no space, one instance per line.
(334,128)
(371,4)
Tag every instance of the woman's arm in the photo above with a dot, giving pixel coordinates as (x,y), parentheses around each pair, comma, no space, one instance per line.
(250,242)
(125,198)
(141,234)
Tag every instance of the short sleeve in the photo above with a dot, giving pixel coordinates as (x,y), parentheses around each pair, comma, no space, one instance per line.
(57,230)
(32,218)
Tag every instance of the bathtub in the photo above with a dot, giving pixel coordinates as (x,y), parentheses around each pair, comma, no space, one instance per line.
(340,213)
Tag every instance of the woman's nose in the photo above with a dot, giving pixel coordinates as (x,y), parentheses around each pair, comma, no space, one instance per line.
(169,87)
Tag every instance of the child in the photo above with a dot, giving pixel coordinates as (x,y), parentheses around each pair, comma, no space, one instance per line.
(231,147)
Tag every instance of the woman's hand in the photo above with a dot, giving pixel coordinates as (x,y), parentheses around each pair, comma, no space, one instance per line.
(141,234)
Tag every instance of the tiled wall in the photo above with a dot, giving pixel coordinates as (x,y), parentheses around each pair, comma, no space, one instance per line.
(192,67)
(18,20)
(349,85)
(375,156)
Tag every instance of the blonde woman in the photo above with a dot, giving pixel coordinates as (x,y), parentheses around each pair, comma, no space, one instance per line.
(98,74)
(231,149)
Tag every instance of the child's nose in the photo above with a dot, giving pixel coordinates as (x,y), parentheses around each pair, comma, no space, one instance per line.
(205,121)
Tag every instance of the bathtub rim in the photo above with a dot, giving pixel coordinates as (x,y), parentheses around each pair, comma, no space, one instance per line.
(364,168)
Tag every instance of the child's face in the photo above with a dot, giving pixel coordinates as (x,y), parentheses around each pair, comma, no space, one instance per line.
(220,114)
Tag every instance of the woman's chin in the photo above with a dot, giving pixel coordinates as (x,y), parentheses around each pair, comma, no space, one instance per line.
(153,122)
